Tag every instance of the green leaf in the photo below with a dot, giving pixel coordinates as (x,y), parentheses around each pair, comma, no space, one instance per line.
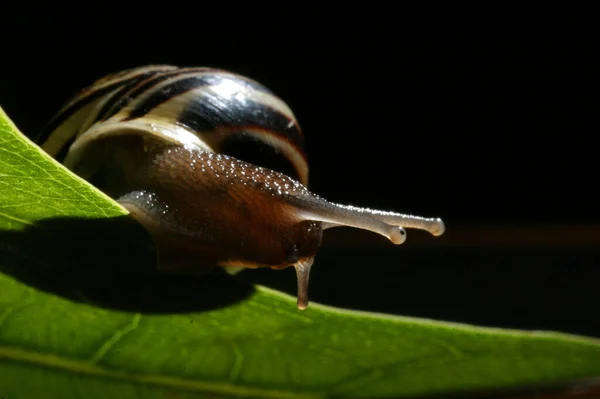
(84,314)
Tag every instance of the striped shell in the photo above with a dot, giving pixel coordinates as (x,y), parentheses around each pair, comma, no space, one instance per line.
(204,108)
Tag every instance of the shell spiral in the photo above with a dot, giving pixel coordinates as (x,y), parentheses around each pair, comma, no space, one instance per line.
(204,108)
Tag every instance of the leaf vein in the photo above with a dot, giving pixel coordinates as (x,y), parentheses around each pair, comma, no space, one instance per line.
(198,385)
(115,338)
(239,360)
(57,181)
(15,219)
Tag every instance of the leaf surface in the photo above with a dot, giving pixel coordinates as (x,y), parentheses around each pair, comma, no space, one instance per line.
(84,314)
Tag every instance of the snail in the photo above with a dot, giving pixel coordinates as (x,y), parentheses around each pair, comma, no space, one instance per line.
(212,164)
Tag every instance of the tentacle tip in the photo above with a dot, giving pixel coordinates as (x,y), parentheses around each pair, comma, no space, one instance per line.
(439,228)
(302,273)
(302,304)
(398,235)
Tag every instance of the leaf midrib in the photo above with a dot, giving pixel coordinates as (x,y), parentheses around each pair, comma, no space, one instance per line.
(23,356)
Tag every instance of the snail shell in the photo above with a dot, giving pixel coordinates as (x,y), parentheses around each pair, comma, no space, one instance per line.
(212,164)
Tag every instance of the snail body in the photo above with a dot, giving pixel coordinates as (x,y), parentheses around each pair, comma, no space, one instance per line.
(212,164)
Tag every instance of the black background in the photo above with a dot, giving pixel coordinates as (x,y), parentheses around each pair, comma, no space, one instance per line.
(485,120)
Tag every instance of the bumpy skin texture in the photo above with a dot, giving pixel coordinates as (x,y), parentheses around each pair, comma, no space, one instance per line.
(209,209)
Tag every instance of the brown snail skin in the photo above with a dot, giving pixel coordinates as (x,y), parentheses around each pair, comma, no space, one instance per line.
(212,164)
